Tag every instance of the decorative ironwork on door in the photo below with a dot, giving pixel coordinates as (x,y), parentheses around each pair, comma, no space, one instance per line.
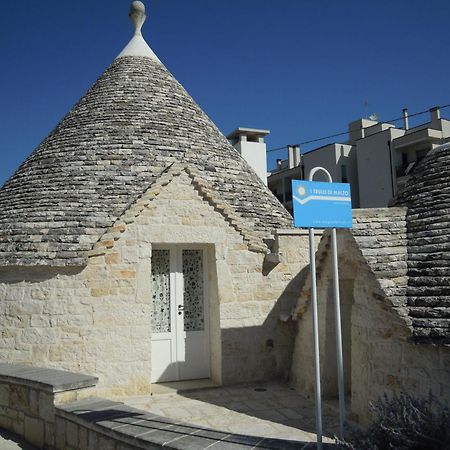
(161,291)
(194,319)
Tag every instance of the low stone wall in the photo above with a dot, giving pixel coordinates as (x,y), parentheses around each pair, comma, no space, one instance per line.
(28,396)
(101,424)
(58,410)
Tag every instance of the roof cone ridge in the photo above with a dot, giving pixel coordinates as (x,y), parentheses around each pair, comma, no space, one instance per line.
(116,143)
(137,46)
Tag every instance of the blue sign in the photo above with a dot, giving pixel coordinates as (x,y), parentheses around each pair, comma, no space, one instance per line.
(321,205)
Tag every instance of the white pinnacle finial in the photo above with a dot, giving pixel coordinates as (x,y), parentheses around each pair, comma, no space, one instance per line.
(137,46)
(137,15)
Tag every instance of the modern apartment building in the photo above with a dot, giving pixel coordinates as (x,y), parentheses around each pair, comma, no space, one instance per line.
(376,160)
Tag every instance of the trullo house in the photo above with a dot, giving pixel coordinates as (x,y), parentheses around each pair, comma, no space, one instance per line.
(137,245)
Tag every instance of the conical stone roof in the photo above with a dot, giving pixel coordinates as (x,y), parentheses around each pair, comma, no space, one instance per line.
(127,130)
(427,198)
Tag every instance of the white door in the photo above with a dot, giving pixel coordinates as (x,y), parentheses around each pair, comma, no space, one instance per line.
(180,328)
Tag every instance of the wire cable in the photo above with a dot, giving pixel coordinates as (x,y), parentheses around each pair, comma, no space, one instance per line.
(346,132)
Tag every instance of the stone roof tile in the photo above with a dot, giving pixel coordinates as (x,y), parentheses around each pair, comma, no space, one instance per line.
(133,123)
(427,199)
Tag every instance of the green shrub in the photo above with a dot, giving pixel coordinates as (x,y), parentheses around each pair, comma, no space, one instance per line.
(402,422)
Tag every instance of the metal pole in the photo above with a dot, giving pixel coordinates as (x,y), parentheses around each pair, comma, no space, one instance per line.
(315,338)
(337,314)
(337,317)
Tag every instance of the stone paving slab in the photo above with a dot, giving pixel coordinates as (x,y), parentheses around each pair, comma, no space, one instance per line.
(133,425)
(265,414)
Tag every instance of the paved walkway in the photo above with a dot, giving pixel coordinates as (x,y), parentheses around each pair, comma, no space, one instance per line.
(268,410)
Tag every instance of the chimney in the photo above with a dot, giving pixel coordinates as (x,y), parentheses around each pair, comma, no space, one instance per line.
(435,113)
(296,155)
(249,142)
(405,119)
(293,156)
(290,156)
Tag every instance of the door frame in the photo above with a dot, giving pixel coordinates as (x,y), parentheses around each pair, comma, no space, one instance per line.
(176,287)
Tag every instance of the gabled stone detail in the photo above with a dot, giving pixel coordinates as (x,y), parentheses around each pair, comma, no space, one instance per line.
(382,241)
(108,239)
(113,234)
(377,240)
(252,238)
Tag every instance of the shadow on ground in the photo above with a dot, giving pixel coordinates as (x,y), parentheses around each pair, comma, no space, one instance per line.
(10,441)
(273,402)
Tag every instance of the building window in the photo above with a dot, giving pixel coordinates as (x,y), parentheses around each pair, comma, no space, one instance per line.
(344,178)
(404,159)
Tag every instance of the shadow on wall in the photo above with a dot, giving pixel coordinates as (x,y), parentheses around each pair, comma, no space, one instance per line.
(35,274)
(263,352)
(302,371)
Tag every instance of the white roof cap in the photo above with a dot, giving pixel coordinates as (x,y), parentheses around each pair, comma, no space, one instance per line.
(137,46)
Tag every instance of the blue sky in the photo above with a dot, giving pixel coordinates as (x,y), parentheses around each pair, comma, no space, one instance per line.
(302,69)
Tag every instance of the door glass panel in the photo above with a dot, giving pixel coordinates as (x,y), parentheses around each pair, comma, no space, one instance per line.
(161,291)
(193,290)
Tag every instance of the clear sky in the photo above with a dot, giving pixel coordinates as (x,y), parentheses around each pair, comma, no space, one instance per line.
(301,68)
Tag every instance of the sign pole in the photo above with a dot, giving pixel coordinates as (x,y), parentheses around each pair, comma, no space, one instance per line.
(324,205)
(337,314)
(337,318)
(312,257)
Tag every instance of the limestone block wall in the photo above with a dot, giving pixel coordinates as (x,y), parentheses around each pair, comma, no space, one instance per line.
(247,295)
(96,319)
(255,319)
(89,319)
(384,361)
(378,355)
(28,399)
(302,373)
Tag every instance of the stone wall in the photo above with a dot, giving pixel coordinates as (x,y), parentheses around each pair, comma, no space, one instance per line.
(28,399)
(384,358)
(379,356)
(57,410)
(96,319)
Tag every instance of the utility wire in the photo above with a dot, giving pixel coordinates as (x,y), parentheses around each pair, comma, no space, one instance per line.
(346,132)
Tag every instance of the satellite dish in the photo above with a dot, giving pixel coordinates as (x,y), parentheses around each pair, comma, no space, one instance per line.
(374,117)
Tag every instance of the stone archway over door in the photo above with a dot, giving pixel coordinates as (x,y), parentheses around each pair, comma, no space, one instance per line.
(180,319)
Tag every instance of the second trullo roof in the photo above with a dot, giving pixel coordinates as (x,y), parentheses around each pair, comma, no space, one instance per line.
(127,130)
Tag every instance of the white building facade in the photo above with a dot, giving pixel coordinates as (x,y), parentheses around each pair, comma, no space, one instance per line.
(376,160)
